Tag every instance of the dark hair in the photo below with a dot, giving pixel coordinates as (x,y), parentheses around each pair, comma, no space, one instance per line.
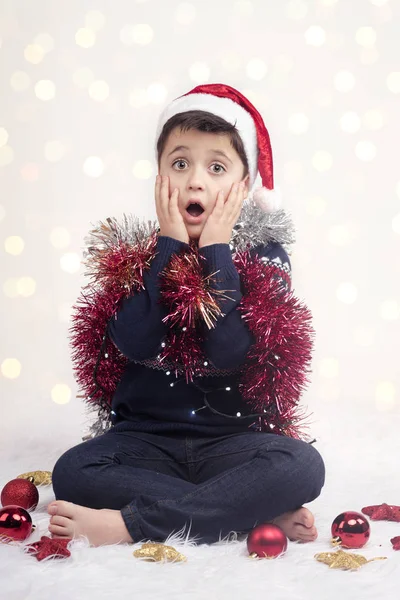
(202,120)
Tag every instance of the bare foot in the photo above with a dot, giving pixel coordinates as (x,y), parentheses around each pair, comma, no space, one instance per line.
(298,525)
(103,526)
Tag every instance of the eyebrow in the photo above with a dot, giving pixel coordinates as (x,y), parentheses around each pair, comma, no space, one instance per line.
(219,152)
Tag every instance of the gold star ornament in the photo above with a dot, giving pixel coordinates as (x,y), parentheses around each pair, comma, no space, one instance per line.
(344,560)
(158,553)
(37,477)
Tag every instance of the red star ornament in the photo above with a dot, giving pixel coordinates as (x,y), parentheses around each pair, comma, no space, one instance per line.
(396,542)
(56,548)
(382,512)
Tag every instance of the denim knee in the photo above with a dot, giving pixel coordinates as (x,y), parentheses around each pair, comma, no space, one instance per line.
(63,474)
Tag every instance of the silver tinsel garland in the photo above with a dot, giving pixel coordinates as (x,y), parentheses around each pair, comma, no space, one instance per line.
(254,228)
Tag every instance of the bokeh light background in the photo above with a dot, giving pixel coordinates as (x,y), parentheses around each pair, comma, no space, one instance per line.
(82,84)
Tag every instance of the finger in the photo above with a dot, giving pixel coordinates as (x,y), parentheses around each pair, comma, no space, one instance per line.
(157,190)
(164,194)
(232,200)
(219,205)
(173,203)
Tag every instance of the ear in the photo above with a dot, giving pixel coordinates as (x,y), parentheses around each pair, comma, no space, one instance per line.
(246,189)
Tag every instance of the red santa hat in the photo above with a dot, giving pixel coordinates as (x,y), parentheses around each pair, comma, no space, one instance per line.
(229,104)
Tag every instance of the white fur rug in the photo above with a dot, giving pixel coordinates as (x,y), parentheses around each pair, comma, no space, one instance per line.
(362,469)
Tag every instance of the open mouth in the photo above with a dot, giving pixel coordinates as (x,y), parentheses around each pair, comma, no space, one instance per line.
(195,210)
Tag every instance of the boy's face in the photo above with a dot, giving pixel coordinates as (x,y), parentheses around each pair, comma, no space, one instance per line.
(200,164)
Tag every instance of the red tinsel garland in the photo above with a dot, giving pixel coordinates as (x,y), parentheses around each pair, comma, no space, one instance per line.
(275,372)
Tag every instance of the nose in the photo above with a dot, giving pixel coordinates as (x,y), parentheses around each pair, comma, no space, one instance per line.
(195,180)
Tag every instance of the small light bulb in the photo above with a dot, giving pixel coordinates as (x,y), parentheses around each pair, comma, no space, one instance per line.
(106,355)
(163,345)
(228,389)
(206,363)
(171,384)
(183,328)
(168,373)
(238,414)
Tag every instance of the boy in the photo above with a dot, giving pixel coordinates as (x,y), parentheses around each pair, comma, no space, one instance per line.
(171,459)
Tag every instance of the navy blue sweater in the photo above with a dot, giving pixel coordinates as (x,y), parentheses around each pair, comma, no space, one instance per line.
(151,398)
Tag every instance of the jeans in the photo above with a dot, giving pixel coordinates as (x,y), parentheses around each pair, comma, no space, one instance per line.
(204,487)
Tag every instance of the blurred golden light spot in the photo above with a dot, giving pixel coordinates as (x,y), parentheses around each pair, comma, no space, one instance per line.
(60,237)
(199,72)
(99,90)
(138,98)
(256,69)
(350,122)
(185,13)
(83,77)
(293,171)
(347,292)
(385,396)
(396,224)
(373,119)
(34,54)
(6,155)
(142,34)
(322,161)
(70,262)
(329,367)
(156,93)
(3,136)
(316,206)
(393,82)
(20,81)
(30,172)
(244,8)
(363,336)
(26,286)
(136,34)
(85,37)
(93,166)
(143,169)
(14,245)
(45,90)
(61,393)
(11,368)
(95,20)
(315,35)
(366,36)
(10,288)
(45,41)
(365,150)
(296,9)
(54,151)
(298,123)
(390,310)
(344,81)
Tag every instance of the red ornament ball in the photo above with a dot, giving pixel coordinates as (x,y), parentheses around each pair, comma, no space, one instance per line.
(266,541)
(20,492)
(350,530)
(15,524)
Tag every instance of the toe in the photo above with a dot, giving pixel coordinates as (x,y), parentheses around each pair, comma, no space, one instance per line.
(61,507)
(56,530)
(61,521)
(305,517)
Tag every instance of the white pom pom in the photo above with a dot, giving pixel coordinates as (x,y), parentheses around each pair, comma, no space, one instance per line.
(268,200)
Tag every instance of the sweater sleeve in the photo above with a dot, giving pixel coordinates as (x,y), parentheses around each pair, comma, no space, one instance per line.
(137,329)
(227,344)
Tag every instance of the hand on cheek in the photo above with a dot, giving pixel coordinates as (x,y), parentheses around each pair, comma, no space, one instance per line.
(219,225)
